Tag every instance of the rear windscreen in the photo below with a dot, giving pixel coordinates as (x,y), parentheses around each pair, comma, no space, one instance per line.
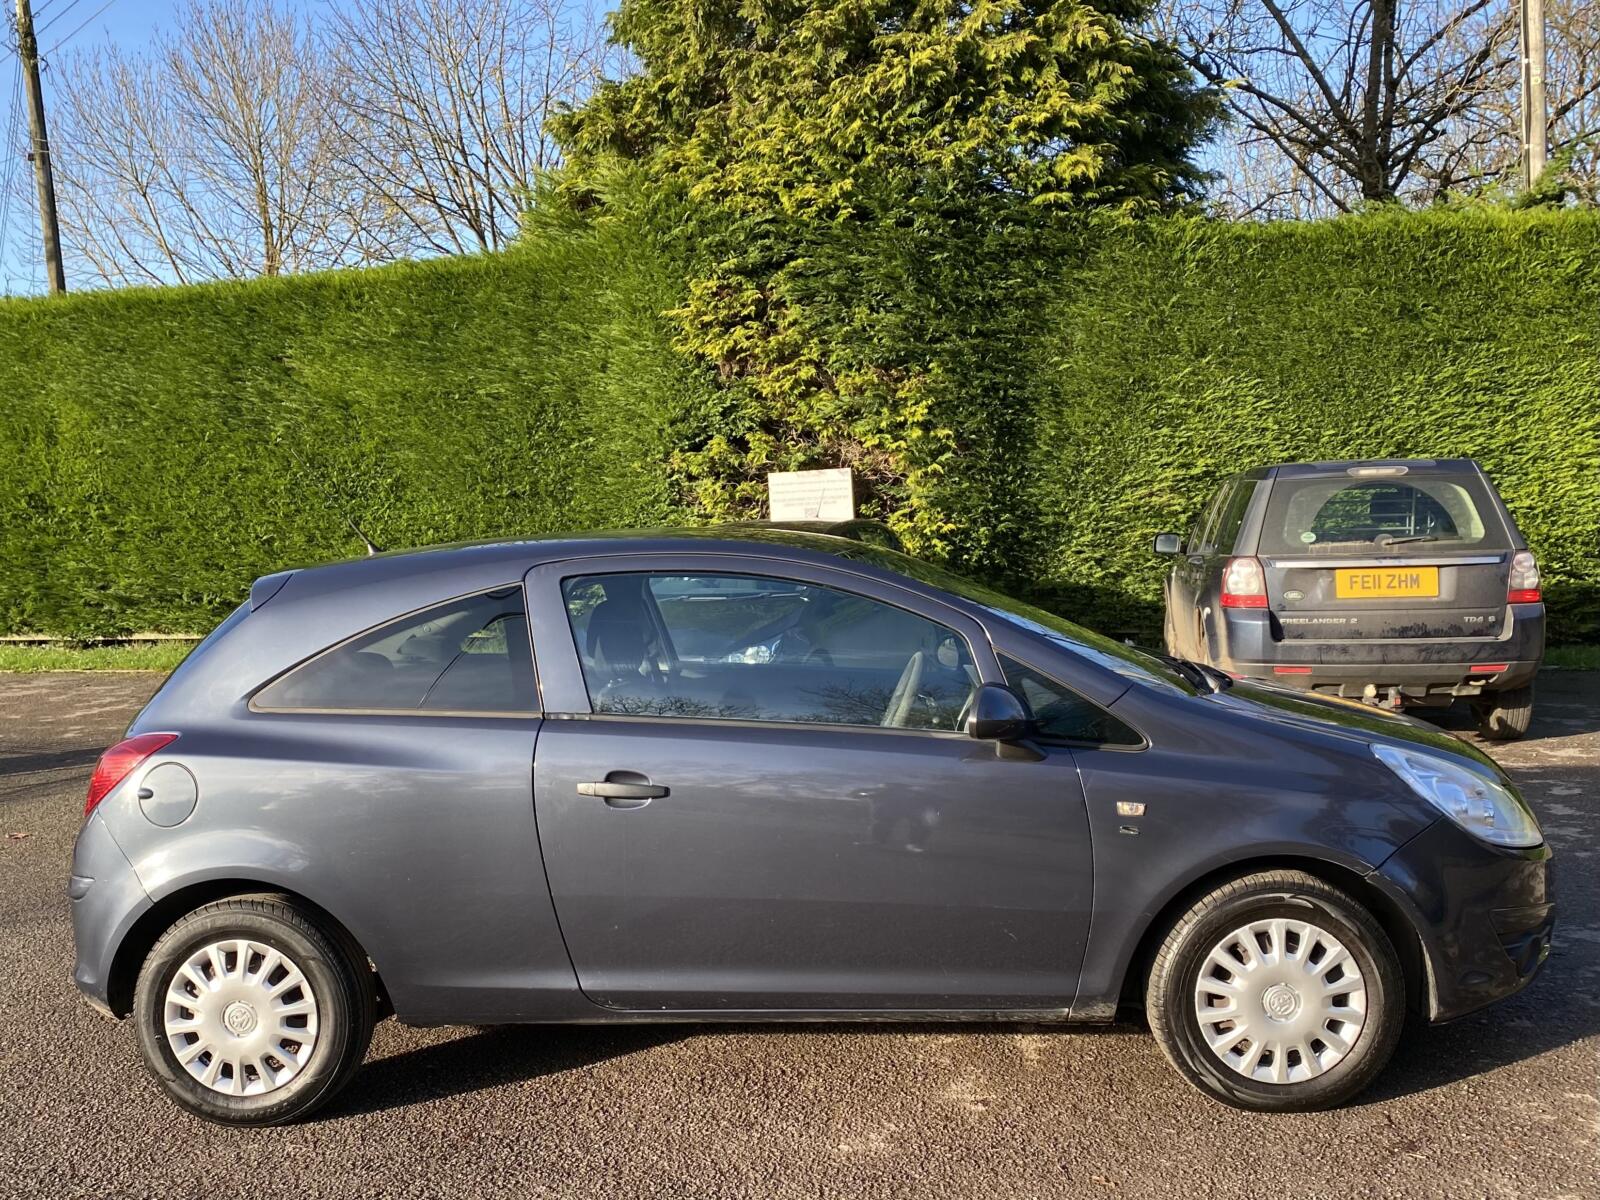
(1348,515)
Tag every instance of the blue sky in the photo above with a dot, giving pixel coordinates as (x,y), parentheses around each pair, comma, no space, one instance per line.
(60,23)
(78,24)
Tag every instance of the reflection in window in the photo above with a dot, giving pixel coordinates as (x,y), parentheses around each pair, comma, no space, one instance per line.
(754,648)
(1340,516)
(1063,714)
(470,655)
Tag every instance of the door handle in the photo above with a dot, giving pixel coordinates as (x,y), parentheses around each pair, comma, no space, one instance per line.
(623,795)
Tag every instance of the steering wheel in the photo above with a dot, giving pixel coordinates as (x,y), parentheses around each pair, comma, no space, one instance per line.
(904,694)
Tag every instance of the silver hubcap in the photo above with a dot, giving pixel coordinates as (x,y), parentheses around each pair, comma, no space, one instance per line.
(241,1017)
(1280,1001)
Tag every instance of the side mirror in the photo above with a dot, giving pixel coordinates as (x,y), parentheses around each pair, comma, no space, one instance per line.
(998,714)
(1169,543)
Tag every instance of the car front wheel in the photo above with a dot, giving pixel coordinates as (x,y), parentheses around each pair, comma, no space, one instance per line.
(251,1012)
(1277,992)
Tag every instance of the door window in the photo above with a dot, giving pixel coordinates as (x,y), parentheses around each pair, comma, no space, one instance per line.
(756,648)
(1062,714)
(1202,539)
(1232,518)
(470,655)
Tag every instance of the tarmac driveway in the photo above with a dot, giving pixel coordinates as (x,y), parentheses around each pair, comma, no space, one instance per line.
(1500,1104)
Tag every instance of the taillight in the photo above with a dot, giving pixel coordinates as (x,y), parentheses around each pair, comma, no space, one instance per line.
(1244,584)
(1523,585)
(116,762)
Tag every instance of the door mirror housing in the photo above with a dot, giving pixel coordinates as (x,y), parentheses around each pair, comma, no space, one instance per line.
(1169,543)
(998,714)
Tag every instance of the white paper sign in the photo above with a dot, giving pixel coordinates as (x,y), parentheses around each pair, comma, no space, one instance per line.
(812,495)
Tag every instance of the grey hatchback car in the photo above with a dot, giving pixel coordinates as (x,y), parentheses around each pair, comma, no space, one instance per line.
(763,774)
(1398,582)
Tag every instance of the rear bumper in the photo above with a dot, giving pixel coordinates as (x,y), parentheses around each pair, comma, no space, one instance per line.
(1420,668)
(106,899)
(1484,917)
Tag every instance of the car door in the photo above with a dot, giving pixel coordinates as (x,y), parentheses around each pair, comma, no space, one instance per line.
(1190,578)
(752,794)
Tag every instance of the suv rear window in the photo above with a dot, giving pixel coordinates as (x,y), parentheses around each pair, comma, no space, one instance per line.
(1345,515)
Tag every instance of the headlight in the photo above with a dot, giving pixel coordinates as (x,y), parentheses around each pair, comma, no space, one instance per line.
(1484,807)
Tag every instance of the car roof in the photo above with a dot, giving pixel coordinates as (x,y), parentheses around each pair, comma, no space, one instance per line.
(1413,466)
(765,538)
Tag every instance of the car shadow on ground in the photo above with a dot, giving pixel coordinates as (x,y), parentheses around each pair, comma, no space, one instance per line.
(1428,1057)
(1563,705)
(20,773)
(489,1057)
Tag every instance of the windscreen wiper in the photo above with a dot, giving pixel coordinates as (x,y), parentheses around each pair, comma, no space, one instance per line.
(1207,679)
(1415,537)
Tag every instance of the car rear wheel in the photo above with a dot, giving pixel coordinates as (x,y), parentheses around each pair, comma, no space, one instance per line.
(1504,716)
(251,1012)
(1277,992)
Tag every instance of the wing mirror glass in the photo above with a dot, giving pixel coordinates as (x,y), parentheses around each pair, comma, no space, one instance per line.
(1169,543)
(998,714)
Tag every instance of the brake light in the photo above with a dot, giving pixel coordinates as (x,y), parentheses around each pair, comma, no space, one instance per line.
(1291,670)
(1489,668)
(117,762)
(1523,585)
(1244,584)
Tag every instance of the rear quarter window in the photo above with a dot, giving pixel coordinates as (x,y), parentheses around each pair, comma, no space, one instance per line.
(1347,515)
(469,655)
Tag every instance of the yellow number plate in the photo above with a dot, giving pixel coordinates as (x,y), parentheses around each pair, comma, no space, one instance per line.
(1364,583)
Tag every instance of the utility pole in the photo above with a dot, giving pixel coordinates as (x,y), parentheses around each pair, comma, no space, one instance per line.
(39,148)
(1535,149)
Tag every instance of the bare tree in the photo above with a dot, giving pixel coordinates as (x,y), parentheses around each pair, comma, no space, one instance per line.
(212,155)
(1340,102)
(1486,152)
(447,102)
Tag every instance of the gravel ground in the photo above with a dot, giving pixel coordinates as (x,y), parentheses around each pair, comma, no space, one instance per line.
(1500,1104)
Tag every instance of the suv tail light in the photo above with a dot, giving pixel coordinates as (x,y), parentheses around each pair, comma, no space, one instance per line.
(117,762)
(1244,584)
(1523,585)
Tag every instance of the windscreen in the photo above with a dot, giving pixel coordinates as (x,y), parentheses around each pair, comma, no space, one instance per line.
(1350,515)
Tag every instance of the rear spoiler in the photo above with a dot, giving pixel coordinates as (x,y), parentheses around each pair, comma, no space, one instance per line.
(267,587)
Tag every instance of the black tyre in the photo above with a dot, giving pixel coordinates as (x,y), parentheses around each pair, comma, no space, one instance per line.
(1245,998)
(250,1011)
(1504,716)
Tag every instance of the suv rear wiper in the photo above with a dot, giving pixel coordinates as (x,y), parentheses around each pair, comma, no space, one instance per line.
(1415,537)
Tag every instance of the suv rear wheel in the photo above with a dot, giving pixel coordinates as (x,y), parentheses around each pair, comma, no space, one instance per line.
(250,1012)
(1504,716)
(1277,992)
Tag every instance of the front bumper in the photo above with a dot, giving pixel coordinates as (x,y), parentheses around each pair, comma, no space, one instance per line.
(107,899)
(1484,916)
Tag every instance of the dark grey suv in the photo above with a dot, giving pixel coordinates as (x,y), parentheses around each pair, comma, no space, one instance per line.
(763,774)
(1396,582)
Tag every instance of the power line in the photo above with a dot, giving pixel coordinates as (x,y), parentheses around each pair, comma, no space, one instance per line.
(63,41)
(74,4)
(8,172)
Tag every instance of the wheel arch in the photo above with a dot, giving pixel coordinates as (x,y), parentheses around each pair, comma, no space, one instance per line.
(171,906)
(1394,920)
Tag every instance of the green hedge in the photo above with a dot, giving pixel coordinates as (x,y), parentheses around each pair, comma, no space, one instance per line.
(1182,352)
(1082,390)
(160,448)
